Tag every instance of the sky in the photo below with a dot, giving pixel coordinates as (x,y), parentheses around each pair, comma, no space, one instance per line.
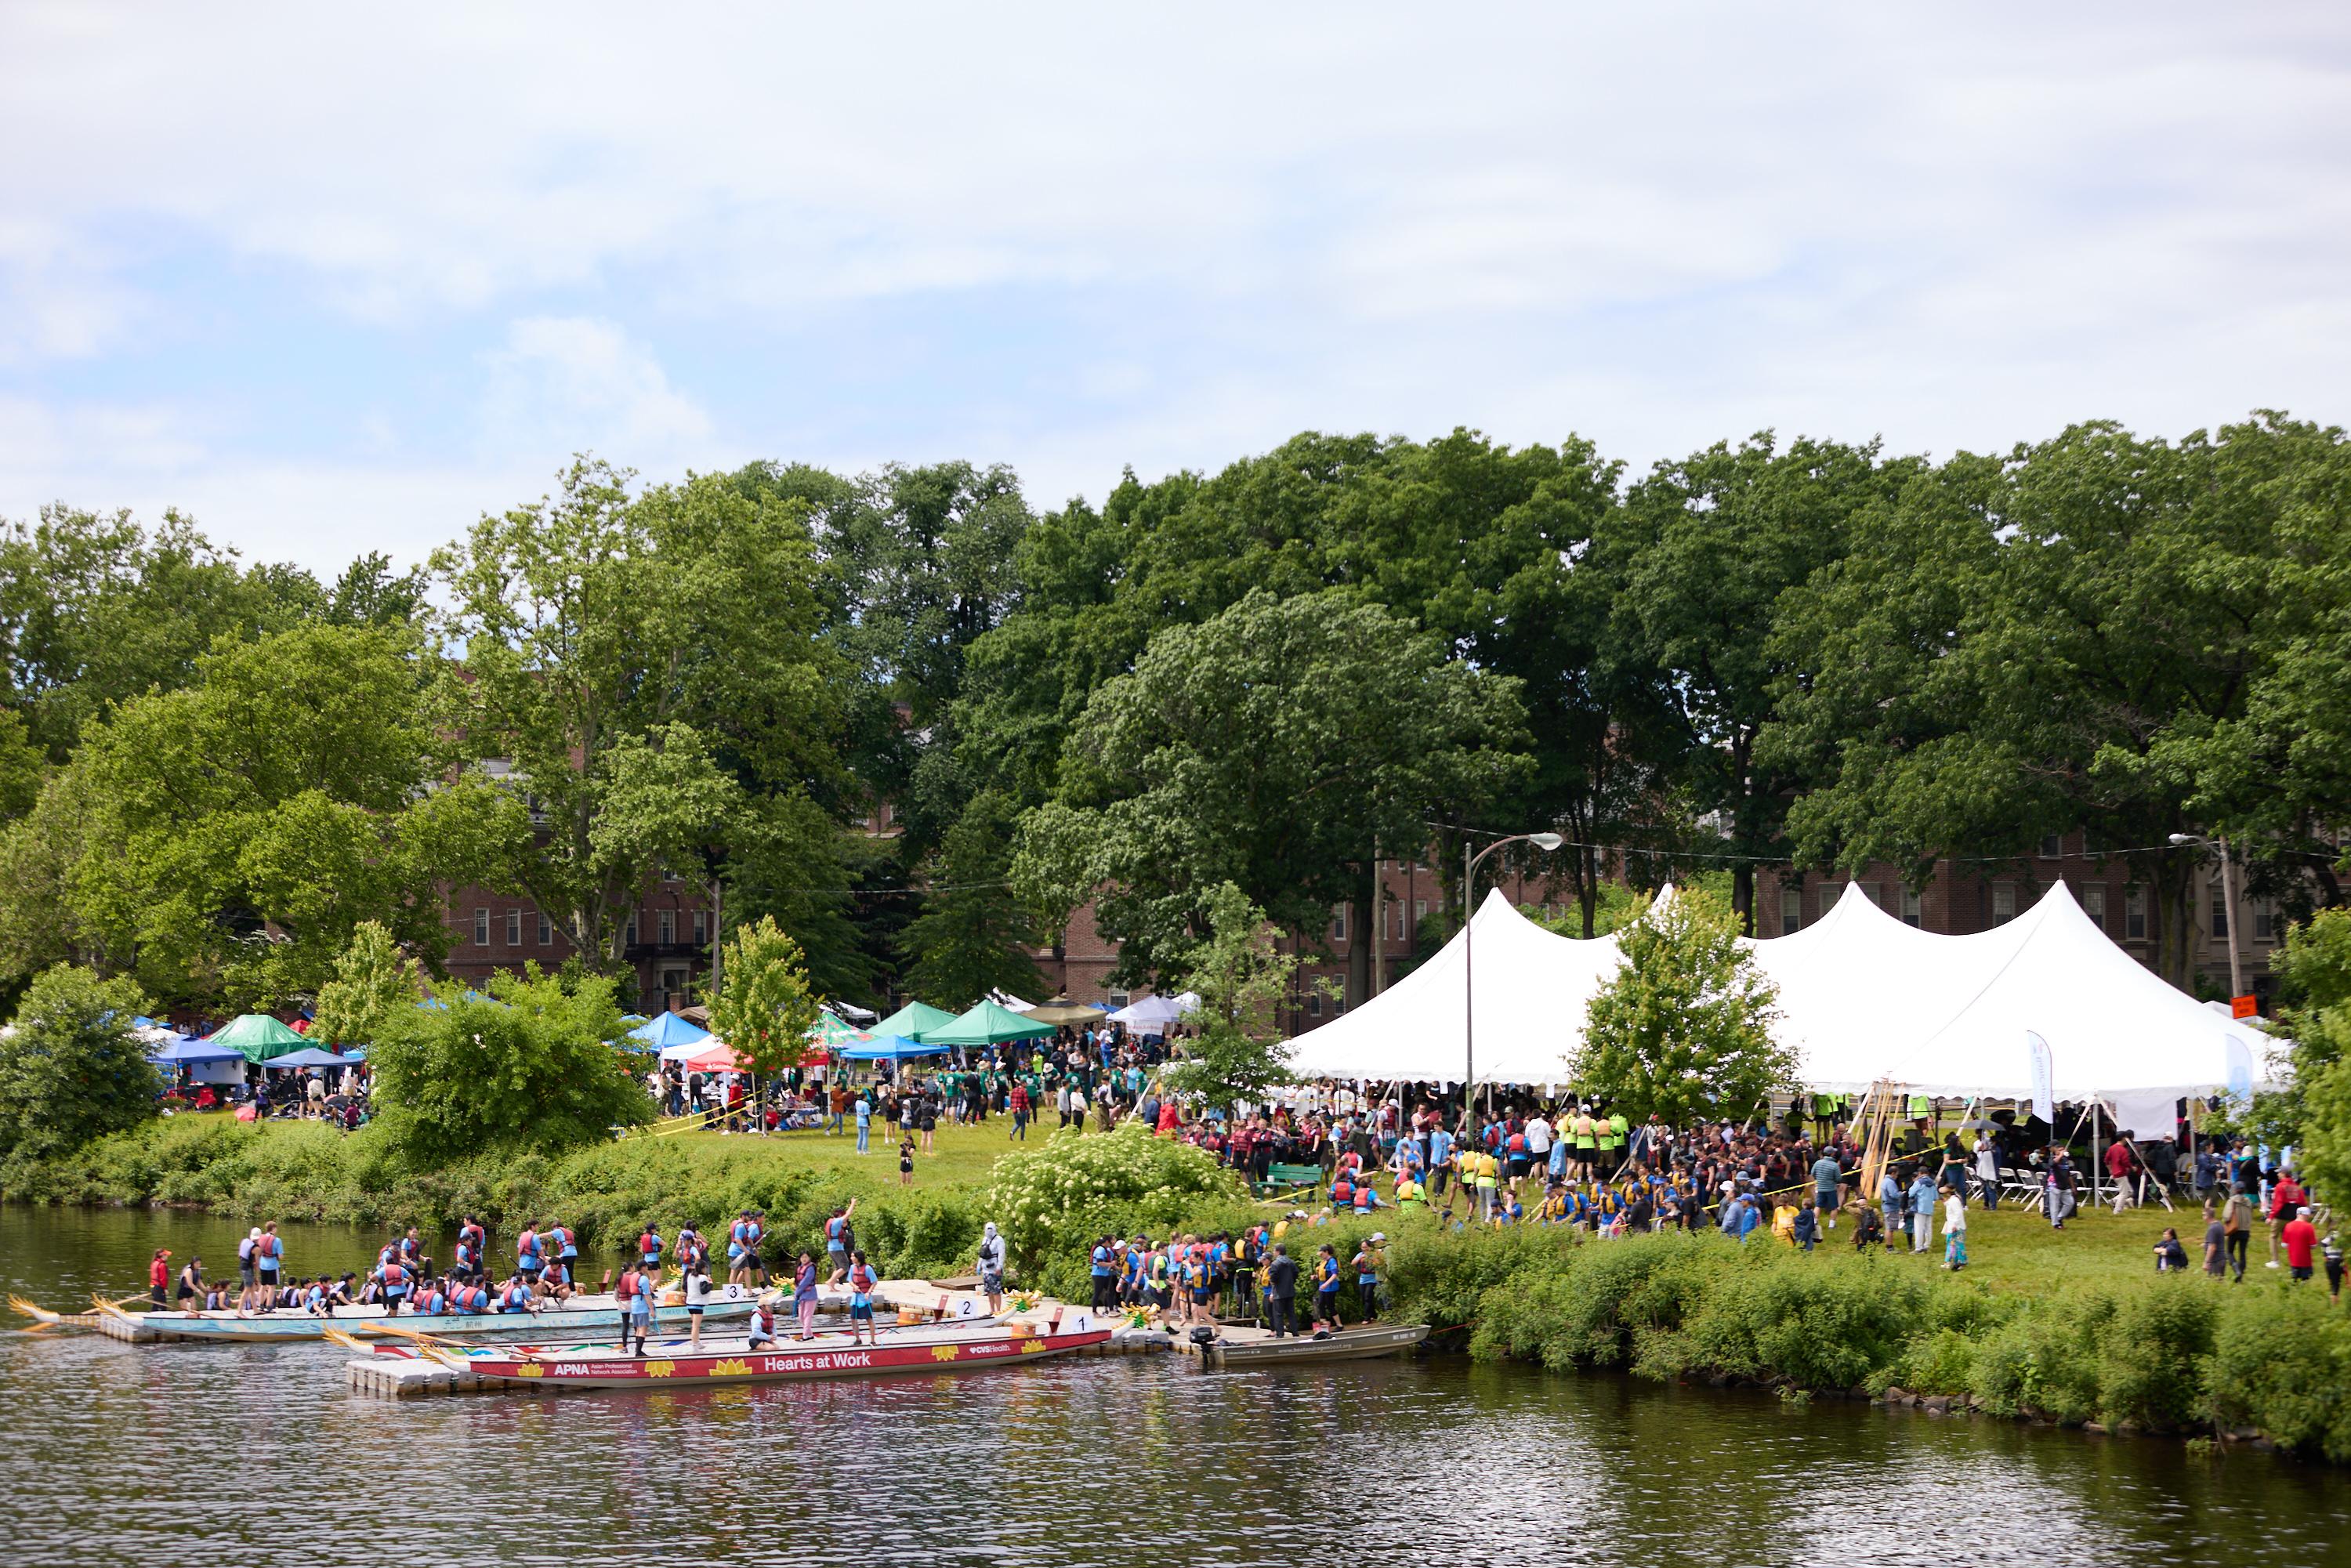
(333,279)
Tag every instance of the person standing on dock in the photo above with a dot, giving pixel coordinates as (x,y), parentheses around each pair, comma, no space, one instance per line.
(641,1314)
(1367,1281)
(1326,1286)
(158,1277)
(268,1257)
(840,1240)
(1281,1291)
(991,1268)
(804,1294)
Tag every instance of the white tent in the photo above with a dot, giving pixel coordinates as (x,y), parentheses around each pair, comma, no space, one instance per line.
(1863,996)
(1533,987)
(1153,1011)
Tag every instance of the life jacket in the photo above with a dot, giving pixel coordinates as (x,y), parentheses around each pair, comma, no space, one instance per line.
(1518,1143)
(861,1279)
(270,1248)
(526,1247)
(650,1244)
(473,1299)
(464,1256)
(395,1277)
(1363,1197)
(763,1321)
(1328,1268)
(832,1231)
(1342,1191)
(434,1305)
(627,1287)
(517,1294)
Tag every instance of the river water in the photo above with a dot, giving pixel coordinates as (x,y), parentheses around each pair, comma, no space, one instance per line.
(177,1454)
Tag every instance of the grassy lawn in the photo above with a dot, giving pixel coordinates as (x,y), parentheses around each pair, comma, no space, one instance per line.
(961,1155)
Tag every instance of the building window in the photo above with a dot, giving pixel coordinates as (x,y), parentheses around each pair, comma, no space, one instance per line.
(481,928)
(1830,892)
(1339,923)
(700,928)
(2052,845)
(2003,903)
(514,927)
(669,875)
(2135,913)
(2219,916)
(1118,1000)
(672,982)
(1313,1004)
(668,926)
(546,930)
(1338,995)
(2094,905)
(2265,920)
(1911,912)
(1403,928)
(1791,910)
(1420,912)
(632,930)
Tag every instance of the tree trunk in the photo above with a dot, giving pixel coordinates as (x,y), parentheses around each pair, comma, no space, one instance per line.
(1742,895)
(1359,949)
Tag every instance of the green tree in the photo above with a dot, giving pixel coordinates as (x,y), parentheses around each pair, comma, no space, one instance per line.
(236,832)
(1711,545)
(374,989)
(974,933)
(617,647)
(1683,1030)
(71,1068)
(764,1008)
(1272,746)
(529,1066)
(1242,977)
(2313,1108)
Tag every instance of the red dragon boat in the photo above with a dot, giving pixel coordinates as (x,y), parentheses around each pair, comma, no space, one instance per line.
(672,1365)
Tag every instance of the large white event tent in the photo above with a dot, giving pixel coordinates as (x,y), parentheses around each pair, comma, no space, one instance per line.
(1862,998)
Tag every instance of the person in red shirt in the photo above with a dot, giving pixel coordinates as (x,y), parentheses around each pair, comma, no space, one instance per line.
(2300,1238)
(158,1277)
(2287,1200)
(2119,1160)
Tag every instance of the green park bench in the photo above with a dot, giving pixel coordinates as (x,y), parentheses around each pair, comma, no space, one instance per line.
(1289,1178)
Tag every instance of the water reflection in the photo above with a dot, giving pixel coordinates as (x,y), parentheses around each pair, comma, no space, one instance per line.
(175,1454)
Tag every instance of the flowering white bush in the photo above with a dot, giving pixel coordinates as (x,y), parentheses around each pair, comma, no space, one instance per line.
(1075,1186)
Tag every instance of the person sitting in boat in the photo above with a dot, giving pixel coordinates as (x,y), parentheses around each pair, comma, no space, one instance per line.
(515,1295)
(862,1281)
(315,1300)
(432,1300)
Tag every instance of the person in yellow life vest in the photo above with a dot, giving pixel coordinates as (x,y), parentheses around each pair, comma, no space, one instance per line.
(1784,1224)
(1586,1147)
(1410,1193)
(1555,1205)
(1490,1181)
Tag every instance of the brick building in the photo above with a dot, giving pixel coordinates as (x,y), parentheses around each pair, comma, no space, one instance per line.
(668,940)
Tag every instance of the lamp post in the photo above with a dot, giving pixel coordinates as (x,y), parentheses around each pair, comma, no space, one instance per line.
(2228,902)
(1469,951)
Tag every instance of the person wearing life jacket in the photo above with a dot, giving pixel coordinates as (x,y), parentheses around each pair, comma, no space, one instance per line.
(467,1259)
(316,1301)
(763,1322)
(692,1250)
(755,1231)
(1326,1287)
(649,1250)
(862,1281)
(473,1242)
(412,1253)
(562,1253)
(840,1240)
(431,1301)
(395,1279)
(1342,1191)
(516,1296)
(1367,1199)
(530,1256)
(474,1298)
(268,1255)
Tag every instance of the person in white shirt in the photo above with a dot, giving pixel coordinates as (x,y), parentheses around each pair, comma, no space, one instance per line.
(1955,1231)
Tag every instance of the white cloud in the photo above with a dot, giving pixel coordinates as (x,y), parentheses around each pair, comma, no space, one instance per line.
(565,384)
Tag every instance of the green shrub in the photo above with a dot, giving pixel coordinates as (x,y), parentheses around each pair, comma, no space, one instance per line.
(2282,1362)
(1818,1322)
(2045,1360)
(2152,1353)
(1940,1362)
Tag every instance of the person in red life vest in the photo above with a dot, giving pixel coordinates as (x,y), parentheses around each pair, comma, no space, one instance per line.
(473,1247)
(395,1279)
(515,1295)
(468,1298)
(763,1323)
(159,1276)
(625,1293)
(862,1281)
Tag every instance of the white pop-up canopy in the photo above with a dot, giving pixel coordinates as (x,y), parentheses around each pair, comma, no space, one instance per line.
(1863,997)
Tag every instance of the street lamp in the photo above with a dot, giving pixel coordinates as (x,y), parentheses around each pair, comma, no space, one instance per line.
(1469,977)
(2229,903)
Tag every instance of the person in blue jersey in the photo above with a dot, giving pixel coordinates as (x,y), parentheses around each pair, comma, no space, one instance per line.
(1367,1267)
(861,1281)
(640,1321)
(1098,1271)
(1326,1287)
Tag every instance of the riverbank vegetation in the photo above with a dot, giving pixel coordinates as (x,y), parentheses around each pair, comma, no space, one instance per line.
(2073,1329)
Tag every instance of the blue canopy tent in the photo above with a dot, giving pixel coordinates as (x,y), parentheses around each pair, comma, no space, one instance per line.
(669,1032)
(204,1062)
(186,1050)
(890,1047)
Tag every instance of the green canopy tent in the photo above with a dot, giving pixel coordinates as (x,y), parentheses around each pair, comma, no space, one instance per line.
(913,1021)
(259,1036)
(986,1024)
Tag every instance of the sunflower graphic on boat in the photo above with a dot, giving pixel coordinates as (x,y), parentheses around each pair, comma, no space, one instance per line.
(732,1368)
(660,1368)
(942,1353)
